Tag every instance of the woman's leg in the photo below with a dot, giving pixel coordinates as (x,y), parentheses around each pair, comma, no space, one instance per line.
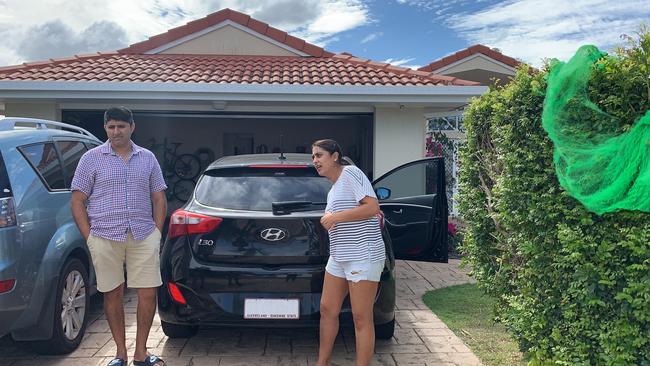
(362,298)
(334,291)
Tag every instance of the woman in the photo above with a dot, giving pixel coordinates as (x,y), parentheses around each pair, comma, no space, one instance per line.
(357,252)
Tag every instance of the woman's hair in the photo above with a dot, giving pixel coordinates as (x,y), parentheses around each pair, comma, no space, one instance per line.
(331,147)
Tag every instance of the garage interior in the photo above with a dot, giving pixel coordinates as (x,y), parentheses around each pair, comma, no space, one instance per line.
(209,136)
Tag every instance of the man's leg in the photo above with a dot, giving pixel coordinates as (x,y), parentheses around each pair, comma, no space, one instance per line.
(114,309)
(143,273)
(146,312)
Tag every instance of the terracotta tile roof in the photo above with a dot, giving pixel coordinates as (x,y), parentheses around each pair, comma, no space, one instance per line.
(118,67)
(478,48)
(218,17)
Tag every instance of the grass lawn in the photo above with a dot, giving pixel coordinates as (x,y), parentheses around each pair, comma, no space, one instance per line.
(467,311)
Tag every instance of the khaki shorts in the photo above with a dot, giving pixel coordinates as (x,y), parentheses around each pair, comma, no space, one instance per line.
(142,260)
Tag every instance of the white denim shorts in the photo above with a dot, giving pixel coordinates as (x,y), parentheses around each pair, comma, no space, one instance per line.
(355,271)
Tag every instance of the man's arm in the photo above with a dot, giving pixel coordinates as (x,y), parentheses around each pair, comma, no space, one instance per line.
(159,202)
(79,213)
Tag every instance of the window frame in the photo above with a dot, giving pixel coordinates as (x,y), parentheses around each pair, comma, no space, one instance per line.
(37,171)
(56,140)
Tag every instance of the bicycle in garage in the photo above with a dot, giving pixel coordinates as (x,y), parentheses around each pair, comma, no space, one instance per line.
(183,166)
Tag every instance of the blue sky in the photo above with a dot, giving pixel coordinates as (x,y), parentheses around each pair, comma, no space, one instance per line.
(408,33)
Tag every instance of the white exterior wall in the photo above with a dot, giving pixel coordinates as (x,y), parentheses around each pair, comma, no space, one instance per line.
(48,111)
(398,137)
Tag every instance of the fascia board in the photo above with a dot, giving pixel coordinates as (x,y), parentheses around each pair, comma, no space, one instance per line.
(62,90)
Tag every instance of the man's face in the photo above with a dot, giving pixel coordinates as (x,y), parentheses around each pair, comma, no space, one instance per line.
(119,132)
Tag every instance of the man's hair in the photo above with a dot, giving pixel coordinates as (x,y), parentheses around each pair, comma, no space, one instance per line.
(118,114)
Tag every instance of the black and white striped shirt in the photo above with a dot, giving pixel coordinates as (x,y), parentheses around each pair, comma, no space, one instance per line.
(353,240)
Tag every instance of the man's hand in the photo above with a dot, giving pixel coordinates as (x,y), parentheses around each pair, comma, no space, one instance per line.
(328,220)
(79,213)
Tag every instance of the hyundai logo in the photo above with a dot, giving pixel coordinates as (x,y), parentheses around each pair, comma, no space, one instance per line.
(273,234)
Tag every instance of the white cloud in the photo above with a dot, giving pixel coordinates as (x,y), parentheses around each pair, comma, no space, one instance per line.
(439,6)
(532,30)
(39,29)
(372,37)
(403,62)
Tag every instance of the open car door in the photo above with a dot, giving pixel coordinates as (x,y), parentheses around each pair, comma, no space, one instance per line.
(413,200)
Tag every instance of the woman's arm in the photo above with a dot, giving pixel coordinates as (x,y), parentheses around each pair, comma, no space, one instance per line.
(368,207)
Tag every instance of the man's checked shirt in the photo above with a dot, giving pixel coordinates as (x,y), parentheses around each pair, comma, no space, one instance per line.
(119,191)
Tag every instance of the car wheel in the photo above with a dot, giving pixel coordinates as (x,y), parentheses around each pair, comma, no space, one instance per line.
(385,331)
(178,330)
(70,310)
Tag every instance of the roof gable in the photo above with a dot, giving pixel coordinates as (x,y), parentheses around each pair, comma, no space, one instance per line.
(200,34)
(227,38)
(469,56)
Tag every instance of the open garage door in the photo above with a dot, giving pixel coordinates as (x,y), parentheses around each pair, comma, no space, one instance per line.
(185,142)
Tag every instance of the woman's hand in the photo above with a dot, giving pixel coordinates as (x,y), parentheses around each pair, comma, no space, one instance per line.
(328,221)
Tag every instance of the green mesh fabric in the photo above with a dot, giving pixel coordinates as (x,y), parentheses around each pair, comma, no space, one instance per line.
(605,171)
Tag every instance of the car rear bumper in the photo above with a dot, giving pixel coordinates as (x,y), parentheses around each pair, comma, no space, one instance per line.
(227,309)
(216,292)
(12,307)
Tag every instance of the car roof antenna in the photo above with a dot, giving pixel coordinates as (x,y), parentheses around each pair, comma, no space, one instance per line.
(282,157)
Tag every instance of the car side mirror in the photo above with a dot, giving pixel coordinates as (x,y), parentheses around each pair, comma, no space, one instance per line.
(383,193)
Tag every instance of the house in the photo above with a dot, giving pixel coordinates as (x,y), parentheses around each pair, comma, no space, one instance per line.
(230,84)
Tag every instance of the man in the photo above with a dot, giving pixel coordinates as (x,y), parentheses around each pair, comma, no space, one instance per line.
(119,205)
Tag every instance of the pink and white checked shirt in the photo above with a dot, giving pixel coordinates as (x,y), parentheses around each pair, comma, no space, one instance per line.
(119,191)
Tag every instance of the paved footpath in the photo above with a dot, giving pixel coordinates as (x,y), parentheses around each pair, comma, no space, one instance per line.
(420,337)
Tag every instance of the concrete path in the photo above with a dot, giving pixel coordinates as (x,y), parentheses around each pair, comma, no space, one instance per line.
(420,337)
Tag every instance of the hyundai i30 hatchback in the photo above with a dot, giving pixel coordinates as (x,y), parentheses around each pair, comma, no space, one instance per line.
(248,248)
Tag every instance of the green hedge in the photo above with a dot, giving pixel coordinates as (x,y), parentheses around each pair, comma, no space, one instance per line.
(572,287)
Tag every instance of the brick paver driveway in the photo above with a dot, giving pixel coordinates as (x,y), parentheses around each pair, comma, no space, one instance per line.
(420,337)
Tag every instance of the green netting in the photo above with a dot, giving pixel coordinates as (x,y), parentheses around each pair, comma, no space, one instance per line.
(606,171)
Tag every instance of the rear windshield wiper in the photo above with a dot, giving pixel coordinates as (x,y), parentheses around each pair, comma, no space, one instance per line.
(287,207)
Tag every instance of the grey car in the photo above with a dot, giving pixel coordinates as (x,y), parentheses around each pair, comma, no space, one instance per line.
(46,275)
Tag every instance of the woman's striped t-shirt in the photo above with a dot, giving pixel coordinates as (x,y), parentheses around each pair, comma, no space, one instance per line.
(353,240)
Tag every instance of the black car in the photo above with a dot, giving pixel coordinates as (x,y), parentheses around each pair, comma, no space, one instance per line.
(248,248)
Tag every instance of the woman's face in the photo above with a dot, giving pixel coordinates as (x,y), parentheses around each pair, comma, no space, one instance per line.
(324,162)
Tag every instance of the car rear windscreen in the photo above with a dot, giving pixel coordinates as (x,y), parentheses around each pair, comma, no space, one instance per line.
(5,186)
(254,189)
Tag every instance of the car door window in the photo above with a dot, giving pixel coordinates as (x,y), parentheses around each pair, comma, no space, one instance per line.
(45,161)
(71,152)
(410,180)
(91,145)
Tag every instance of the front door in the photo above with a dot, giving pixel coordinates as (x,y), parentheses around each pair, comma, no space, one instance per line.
(413,200)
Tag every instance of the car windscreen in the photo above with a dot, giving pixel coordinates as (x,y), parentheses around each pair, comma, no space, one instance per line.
(5,186)
(255,189)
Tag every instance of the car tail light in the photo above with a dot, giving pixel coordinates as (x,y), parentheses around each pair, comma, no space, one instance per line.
(186,223)
(380,218)
(7,212)
(7,285)
(176,293)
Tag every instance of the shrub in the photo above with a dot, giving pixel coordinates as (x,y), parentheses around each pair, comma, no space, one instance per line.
(572,287)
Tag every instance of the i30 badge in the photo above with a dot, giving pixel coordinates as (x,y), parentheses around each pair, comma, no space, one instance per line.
(273,234)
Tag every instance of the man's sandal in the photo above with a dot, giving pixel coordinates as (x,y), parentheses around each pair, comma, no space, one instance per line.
(151,360)
(117,362)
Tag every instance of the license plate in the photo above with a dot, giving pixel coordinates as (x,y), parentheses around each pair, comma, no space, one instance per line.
(271,309)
